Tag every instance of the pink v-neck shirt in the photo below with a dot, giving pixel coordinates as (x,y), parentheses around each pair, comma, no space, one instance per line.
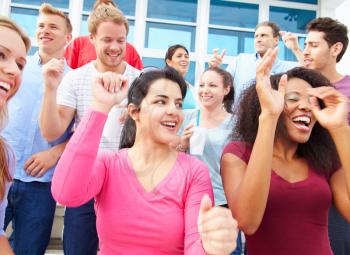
(131,220)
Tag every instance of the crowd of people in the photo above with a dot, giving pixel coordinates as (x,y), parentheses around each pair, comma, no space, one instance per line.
(147,163)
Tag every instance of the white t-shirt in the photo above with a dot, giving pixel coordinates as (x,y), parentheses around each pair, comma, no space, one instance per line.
(75,92)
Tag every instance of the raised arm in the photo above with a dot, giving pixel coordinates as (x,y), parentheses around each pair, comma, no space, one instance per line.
(247,185)
(290,40)
(54,118)
(334,117)
(80,173)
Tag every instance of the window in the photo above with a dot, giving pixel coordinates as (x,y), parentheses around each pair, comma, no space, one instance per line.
(169,34)
(234,42)
(294,20)
(56,3)
(180,10)
(233,14)
(302,1)
(26,18)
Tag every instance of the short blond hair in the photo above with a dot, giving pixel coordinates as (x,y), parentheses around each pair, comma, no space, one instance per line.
(105,14)
(6,22)
(48,9)
(98,3)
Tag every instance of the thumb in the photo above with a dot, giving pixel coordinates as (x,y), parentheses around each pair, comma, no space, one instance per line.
(282,84)
(206,204)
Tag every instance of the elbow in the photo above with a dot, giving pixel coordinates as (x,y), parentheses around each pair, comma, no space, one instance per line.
(246,224)
(65,199)
(49,136)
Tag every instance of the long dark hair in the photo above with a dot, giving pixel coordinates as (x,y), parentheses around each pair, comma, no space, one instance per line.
(228,82)
(319,150)
(171,51)
(139,90)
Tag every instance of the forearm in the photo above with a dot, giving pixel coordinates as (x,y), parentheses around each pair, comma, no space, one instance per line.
(58,149)
(249,204)
(51,125)
(74,182)
(341,138)
(5,248)
(298,53)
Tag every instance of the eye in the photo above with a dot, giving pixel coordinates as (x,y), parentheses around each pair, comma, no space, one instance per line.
(2,56)
(201,85)
(161,102)
(179,105)
(292,97)
(20,66)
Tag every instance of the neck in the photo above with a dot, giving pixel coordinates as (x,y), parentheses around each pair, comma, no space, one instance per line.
(213,113)
(283,149)
(149,152)
(120,69)
(46,56)
(330,72)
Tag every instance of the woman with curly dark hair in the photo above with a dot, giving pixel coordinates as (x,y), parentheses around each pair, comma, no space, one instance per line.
(280,174)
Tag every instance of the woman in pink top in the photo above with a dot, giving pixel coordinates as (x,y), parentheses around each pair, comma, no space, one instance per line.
(150,199)
(14,45)
(281,174)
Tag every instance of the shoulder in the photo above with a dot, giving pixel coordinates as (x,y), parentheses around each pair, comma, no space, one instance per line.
(131,72)
(192,166)
(239,149)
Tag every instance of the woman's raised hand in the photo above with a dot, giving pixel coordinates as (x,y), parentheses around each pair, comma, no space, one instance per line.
(108,89)
(271,100)
(335,113)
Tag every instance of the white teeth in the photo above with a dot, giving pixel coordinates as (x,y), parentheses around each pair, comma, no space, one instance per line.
(5,86)
(304,119)
(170,124)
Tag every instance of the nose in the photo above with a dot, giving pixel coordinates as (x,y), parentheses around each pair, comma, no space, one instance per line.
(115,46)
(306,50)
(304,104)
(172,109)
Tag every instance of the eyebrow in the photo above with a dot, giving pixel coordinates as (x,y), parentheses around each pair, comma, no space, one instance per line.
(166,97)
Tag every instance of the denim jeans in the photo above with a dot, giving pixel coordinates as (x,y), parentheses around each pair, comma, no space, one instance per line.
(31,208)
(79,234)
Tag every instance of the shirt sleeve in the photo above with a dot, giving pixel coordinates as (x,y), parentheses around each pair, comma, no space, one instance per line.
(80,172)
(199,186)
(239,149)
(133,57)
(71,54)
(66,91)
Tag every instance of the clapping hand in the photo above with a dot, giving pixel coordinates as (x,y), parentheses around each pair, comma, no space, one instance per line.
(271,100)
(53,73)
(217,228)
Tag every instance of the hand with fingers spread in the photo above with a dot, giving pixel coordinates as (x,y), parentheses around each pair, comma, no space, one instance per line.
(39,163)
(271,100)
(53,73)
(217,58)
(335,113)
(217,228)
(108,89)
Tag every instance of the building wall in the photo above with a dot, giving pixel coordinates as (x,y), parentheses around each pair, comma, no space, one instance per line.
(200,25)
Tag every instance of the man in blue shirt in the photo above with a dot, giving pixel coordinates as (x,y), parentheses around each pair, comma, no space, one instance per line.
(31,207)
(243,67)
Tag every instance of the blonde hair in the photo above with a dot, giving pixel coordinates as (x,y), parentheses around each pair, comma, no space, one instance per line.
(105,14)
(105,2)
(4,171)
(48,9)
(8,23)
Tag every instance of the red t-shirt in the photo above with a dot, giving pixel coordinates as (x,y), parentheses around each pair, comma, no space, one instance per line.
(81,51)
(296,215)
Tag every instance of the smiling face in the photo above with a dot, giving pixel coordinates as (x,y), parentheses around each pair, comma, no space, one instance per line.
(160,114)
(211,90)
(110,43)
(317,54)
(51,33)
(297,116)
(179,61)
(264,39)
(12,62)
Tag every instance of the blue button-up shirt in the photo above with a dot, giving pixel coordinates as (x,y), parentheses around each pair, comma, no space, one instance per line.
(243,70)
(22,131)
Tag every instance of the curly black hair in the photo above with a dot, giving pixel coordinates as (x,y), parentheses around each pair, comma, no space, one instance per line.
(319,151)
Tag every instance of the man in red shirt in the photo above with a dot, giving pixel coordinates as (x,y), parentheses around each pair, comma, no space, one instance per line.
(81,51)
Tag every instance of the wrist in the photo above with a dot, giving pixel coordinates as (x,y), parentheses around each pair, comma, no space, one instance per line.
(100,107)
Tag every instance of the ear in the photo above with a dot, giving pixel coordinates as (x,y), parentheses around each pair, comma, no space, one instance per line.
(168,62)
(68,38)
(227,89)
(336,49)
(133,112)
(276,39)
(91,37)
